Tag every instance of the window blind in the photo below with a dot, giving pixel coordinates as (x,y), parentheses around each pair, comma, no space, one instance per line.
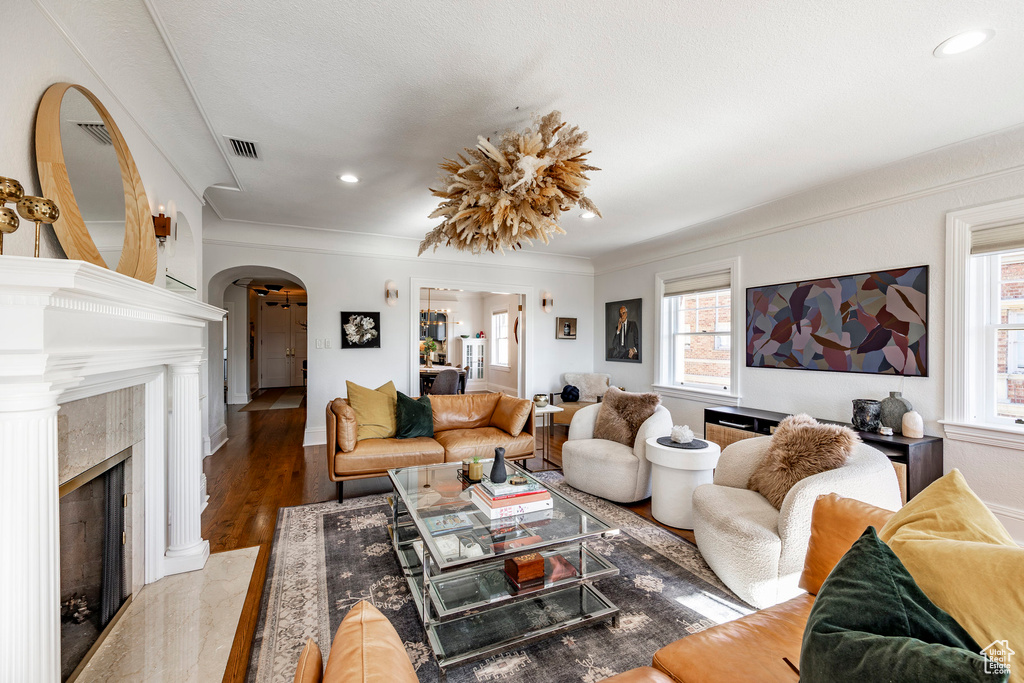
(1002,238)
(699,283)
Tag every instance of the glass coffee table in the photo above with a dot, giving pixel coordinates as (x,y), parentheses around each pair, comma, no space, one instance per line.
(469,607)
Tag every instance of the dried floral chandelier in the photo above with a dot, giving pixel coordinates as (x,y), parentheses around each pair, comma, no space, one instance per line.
(514,191)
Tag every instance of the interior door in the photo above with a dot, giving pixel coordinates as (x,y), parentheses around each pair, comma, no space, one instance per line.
(298,343)
(275,346)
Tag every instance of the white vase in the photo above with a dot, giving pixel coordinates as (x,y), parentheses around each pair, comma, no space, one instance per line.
(913,424)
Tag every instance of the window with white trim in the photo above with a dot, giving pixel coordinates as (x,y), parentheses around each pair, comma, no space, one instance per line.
(997,317)
(696,332)
(499,336)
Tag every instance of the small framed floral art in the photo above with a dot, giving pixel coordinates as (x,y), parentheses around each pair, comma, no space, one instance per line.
(360,330)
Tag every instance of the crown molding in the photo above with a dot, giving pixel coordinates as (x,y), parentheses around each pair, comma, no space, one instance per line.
(161,28)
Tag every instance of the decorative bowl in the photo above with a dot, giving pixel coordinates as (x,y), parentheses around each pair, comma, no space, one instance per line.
(464,336)
(541,400)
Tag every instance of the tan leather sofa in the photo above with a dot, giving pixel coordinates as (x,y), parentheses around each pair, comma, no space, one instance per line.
(756,647)
(365,648)
(465,426)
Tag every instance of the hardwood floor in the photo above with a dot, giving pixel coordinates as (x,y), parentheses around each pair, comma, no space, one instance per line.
(264,467)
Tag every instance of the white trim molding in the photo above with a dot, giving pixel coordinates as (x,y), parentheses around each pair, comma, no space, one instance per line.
(961,422)
(212,443)
(316,436)
(989,435)
(736,314)
(715,398)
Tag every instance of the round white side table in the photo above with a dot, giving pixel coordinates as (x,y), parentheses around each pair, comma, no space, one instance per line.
(676,472)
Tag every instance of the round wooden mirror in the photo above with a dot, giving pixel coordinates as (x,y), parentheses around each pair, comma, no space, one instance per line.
(82,156)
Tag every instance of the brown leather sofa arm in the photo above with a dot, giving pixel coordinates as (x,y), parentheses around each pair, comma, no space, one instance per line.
(836,523)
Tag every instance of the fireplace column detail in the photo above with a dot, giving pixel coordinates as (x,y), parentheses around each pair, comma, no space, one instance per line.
(186,549)
(30,571)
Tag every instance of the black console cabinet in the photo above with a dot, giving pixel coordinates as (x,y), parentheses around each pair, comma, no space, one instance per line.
(921,459)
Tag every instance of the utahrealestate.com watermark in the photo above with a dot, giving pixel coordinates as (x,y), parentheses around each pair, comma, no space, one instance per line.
(997,657)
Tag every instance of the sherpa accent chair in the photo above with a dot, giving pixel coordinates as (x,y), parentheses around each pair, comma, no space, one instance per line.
(607,468)
(758,551)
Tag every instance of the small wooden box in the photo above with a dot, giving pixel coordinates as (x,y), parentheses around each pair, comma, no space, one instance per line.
(525,568)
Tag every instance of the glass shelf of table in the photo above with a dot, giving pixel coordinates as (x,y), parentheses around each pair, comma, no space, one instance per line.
(486,585)
(433,491)
(478,635)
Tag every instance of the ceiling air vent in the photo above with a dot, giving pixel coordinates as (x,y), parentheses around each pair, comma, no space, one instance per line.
(97,131)
(244,148)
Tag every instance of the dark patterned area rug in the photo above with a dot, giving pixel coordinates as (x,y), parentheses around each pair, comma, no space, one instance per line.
(326,557)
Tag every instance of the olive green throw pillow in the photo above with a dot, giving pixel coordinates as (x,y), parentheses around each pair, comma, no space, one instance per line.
(375,410)
(415,417)
(871,622)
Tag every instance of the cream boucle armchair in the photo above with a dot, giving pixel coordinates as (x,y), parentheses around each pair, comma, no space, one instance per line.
(758,551)
(610,469)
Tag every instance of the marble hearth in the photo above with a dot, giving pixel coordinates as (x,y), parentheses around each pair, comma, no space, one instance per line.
(71,331)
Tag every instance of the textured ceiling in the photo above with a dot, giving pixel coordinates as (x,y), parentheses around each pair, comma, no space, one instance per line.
(695,109)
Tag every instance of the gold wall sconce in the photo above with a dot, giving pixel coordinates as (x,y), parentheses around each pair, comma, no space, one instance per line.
(11,192)
(391,293)
(547,302)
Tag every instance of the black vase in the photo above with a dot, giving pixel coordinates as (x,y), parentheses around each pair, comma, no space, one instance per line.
(867,414)
(498,474)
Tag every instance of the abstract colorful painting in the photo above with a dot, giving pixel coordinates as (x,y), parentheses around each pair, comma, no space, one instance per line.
(870,322)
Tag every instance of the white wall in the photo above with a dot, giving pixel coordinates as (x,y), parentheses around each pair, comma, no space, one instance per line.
(890,218)
(346,272)
(40,57)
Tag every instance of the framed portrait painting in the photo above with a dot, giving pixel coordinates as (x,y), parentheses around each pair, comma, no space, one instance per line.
(360,330)
(623,326)
(565,328)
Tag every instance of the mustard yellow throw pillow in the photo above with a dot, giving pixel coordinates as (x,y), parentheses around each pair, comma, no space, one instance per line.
(965,562)
(375,410)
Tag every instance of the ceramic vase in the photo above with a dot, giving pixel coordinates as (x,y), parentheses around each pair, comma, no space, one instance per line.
(476,471)
(913,424)
(893,410)
(866,414)
(498,474)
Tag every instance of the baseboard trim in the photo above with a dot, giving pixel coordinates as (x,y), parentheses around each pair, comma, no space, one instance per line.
(494,387)
(238,399)
(1011,518)
(213,443)
(315,437)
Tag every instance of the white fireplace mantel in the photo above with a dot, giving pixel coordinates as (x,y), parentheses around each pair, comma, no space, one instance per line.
(70,330)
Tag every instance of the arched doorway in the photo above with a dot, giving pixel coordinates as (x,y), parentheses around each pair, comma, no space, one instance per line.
(262,343)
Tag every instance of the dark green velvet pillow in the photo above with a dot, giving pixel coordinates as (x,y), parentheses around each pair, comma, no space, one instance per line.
(871,622)
(414,417)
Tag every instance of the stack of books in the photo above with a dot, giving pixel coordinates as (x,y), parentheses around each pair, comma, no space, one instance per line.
(507,500)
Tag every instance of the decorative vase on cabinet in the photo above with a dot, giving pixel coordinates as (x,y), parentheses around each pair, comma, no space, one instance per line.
(893,410)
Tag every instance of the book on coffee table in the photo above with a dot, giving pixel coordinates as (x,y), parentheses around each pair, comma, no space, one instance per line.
(447,523)
(495,508)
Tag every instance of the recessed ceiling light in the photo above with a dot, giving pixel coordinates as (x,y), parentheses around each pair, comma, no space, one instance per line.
(348,178)
(962,42)
(588,214)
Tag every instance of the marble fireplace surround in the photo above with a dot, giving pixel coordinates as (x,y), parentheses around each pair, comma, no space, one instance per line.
(70,330)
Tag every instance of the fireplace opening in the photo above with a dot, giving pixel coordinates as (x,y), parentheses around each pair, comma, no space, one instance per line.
(93,508)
